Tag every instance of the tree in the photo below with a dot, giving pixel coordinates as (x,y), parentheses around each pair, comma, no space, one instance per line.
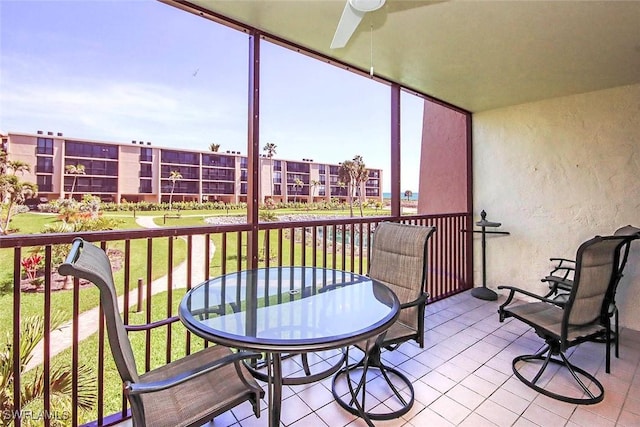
(33,386)
(270,149)
(173,177)
(214,147)
(297,186)
(13,191)
(74,170)
(353,174)
(408,194)
(314,184)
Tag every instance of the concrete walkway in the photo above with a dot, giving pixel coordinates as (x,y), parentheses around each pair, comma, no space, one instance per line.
(88,321)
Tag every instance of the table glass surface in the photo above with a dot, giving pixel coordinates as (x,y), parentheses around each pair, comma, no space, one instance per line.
(287,307)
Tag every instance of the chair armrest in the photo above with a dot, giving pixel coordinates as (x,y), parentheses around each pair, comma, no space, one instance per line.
(529,294)
(562,260)
(141,387)
(420,300)
(564,267)
(152,325)
(556,282)
(513,290)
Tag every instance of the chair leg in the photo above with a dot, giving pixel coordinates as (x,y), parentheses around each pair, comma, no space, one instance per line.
(546,355)
(617,336)
(368,362)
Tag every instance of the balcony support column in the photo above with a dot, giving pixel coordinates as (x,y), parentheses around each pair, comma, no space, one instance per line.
(395,150)
(253,148)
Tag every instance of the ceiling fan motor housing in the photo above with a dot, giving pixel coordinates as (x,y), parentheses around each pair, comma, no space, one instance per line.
(366,5)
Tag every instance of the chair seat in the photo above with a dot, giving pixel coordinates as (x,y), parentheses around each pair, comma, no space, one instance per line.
(398,332)
(217,392)
(548,317)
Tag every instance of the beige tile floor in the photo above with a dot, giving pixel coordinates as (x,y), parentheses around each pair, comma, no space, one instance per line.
(463,377)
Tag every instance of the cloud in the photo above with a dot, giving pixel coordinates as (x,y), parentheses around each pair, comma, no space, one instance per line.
(115,110)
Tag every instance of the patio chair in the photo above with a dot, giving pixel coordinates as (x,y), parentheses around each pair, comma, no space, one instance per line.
(564,324)
(560,279)
(398,259)
(186,392)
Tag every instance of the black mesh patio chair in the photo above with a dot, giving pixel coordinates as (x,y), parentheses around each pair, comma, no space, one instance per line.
(186,392)
(560,279)
(564,324)
(398,259)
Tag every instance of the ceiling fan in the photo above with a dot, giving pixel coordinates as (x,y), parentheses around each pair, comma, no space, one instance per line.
(354,11)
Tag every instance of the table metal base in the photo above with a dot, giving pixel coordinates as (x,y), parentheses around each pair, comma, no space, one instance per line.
(308,376)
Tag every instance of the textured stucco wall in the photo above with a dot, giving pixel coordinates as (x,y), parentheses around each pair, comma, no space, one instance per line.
(443,161)
(556,173)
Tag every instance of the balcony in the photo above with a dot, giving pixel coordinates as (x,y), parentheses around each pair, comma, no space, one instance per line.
(462,376)
(172,259)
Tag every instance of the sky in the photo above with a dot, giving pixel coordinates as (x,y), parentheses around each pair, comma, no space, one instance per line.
(124,70)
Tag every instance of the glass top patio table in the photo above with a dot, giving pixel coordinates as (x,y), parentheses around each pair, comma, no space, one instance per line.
(288,310)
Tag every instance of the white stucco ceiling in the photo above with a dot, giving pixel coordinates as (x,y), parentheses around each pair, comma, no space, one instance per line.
(478,55)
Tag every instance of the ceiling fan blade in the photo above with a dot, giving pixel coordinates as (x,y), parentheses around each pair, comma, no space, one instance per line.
(349,21)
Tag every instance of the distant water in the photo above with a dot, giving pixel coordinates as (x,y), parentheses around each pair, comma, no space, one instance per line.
(388,196)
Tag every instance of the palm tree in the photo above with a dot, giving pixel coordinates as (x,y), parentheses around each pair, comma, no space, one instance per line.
(270,148)
(408,194)
(74,170)
(353,174)
(173,177)
(345,176)
(361,176)
(214,147)
(314,184)
(13,191)
(32,387)
(297,185)
(18,166)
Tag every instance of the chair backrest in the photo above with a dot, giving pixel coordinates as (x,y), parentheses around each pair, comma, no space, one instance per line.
(633,233)
(398,259)
(595,278)
(90,262)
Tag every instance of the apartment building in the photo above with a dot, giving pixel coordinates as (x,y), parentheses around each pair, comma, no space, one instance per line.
(139,171)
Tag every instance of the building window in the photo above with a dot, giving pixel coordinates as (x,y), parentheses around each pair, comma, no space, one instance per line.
(218,160)
(44,165)
(217,187)
(187,172)
(277,177)
(91,150)
(215,174)
(91,185)
(181,187)
(146,170)
(45,146)
(95,167)
(277,189)
(298,167)
(180,157)
(44,183)
(277,165)
(146,154)
(145,186)
(244,162)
